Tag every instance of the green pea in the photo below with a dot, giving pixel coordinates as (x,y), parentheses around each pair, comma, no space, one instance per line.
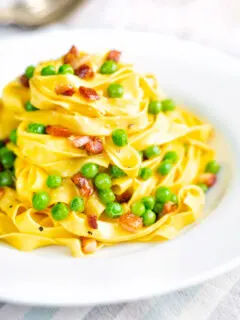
(40,200)
(2,143)
(29,72)
(148,202)
(6,179)
(138,208)
(152,151)
(103,181)
(3,150)
(8,159)
(171,156)
(106,196)
(54,181)
(29,107)
(13,136)
(116,172)
(158,208)
(174,198)
(77,204)
(154,107)
(149,218)
(36,128)
(212,167)
(168,105)
(165,167)
(145,173)
(203,186)
(163,194)
(60,211)
(48,71)
(66,69)
(109,67)
(120,137)
(89,170)
(114,210)
(115,90)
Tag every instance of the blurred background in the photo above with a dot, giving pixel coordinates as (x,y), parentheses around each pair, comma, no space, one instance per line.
(212,22)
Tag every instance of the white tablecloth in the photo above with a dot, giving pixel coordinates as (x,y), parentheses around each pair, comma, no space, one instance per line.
(213,22)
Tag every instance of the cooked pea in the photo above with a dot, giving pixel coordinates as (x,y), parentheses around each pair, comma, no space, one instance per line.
(40,200)
(5,179)
(116,172)
(29,107)
(36,128)
(174,198)
(2,143)
(66,69)
(138,208)
(77,204)
(149,217)
(8,159)
(13,136)
(168,105)
(115,90)
(145,173)
(148,202)
(152,151)
(120,137)
(108,67)
(89,170)
(114,210)
(54,181)
(106,196)
(29,72)
(165,167)
(171,156)
(212,167)
(158,208)
(163,194)
(60,211)
(103,181)
(154,107)
(48,71)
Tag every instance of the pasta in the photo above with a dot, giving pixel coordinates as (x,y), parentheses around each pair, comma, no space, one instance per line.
(93,154)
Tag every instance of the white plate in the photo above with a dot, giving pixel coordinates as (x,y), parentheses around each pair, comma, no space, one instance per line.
(206,80)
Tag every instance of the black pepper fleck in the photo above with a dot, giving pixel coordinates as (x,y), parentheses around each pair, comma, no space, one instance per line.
(40,228)
(89,232)
(11,206)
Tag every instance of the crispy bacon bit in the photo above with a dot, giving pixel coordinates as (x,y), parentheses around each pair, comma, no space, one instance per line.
(130,222)
(94,146)
(65,90)
(1,192)
(124,197)
(21,210)
(71,54)
(83,184)
(92,221)
(88,93)
(89,245)
(208,178)
(75,58)
(24,81)
(79,141)
(114,55)
(84,72)
(169,207)
(7,140)
(58,131)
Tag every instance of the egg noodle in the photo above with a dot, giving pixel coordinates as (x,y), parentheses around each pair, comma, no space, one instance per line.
(39,155)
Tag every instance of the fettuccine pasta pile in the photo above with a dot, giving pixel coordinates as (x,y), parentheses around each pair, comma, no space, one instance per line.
(93,154)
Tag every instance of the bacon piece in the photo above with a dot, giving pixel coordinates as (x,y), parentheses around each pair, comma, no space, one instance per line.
(89,245)
(114,55)
(94,146)
(1,192)
(169,207)
(92,221)
(88,93)
(207,178)
(84,72)
(71,54)
(130,222)
(79,141)
(83,184)
(65,90)
(58,131)
(24,81)
(74,58)
(124,197)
